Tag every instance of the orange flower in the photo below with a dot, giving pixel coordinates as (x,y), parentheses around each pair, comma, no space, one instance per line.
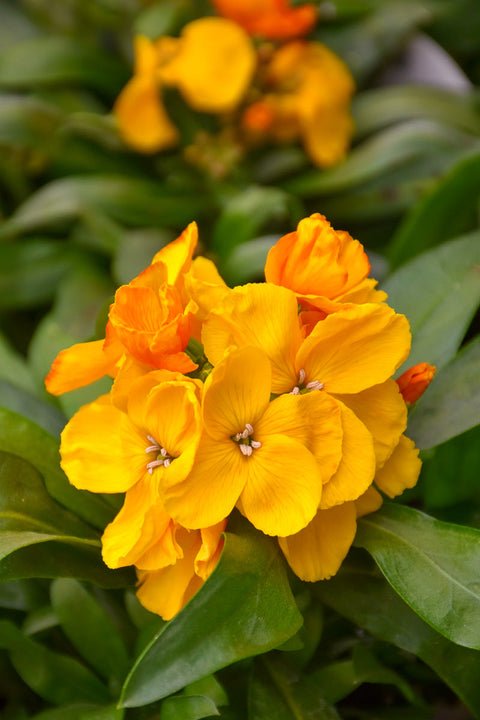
(415,381)
(271,19)
(307,96)
(149,323)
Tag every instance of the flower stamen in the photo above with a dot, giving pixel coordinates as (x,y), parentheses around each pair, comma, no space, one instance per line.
(301,388)
(245,442)
(163,458)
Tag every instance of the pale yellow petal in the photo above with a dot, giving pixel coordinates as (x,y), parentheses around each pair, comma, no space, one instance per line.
(261,315)
(284,486)
(355,348)
(401,470)
(317,551)
(382,410)
(357,466)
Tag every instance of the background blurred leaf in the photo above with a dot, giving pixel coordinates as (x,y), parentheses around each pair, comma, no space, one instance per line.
(367,600)
(439,292)
(245,608)
(27,121)
(452,404)
(182,707)
(433,566)
(82,712)
(449,209)
(62,678)
(30,406)
(246,262)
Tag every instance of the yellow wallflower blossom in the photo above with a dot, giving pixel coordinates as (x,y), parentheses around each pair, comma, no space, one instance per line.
(307,93)
(210,64)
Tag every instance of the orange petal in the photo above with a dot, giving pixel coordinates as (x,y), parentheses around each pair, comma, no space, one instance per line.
(177,255)
(401,470)
(272,19)
(415,381)
(317,551)
(81,365)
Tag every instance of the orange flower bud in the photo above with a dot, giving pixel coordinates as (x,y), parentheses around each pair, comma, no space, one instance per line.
(273,19)
(415,381)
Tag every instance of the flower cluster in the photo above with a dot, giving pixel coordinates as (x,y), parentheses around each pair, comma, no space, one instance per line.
(282,91)
(274,398)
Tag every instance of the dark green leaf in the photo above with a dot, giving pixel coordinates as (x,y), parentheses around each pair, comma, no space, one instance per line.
(447,211)
(433,566)
(23,438)
(90,629)
(245,608)
(452,404)
(51,60)
(183,707)
(439,292)
(367,600)
(130,200)
(276,690)
(27,121)
(82,712)
(57,678)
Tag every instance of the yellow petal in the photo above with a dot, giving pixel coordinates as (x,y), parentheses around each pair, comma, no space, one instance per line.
(210,550)
(177,255)
(102,451)
(324,418)
(238,393)
(283,488)
(382,410)
(138,525)
(261,315)
(357,466)
(327,134)
(81,365)
(317,551)
(213,66)
(355,348)
(141,116)
(369,502)
(209,493)
(172,416)
(401,470)
(166,591)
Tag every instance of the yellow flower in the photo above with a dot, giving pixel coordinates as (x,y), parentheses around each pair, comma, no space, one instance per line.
(211,65)
(250,452)
(307,96)
(149,324)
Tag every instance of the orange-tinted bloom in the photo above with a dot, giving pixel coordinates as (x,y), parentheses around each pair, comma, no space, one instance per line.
(211,65)
(271,19)
(307,92)
(414,381)
(149,323)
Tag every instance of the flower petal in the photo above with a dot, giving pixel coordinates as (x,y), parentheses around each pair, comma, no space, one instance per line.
(401,470)
(369,502)
(324,417)
(355,348)
(81,365)
(317,551)
(357,467)
(284,486)
(382,410)
(177,255)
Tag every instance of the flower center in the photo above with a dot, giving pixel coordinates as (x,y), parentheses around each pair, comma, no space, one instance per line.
(301,387)
(163,458)
(245,441)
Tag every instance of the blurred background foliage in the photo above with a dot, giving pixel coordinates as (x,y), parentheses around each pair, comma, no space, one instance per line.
(80,213)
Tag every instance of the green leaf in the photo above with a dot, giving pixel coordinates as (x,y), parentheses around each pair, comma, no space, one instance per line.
(439,292)
(444,213)
(14,369)
(31,270)
(389,149)
(50,60)
(27,440)
(382,106)
(452,404)
(90,629)
(82,712)
(57,678)
(27,121)
(26,404)
(276,690)
(129,200)
(433,566)
(363,597)
(136,250)
(191,707)
(245,608)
